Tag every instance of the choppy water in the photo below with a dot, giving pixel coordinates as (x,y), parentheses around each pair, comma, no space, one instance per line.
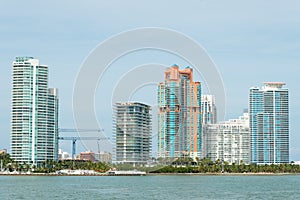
(150,187)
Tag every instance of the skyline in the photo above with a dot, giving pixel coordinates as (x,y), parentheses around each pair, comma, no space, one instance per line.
(250,42)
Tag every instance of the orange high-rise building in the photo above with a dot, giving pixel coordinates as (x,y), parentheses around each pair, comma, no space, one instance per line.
(179,116)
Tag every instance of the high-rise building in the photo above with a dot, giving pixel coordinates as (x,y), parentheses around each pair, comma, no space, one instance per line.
(52,124)
(34,123)
(132,132)
(228,141)
(269,123)
(179,115)
(208,109)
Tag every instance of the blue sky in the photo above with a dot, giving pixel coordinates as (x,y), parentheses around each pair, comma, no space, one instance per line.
(249,41)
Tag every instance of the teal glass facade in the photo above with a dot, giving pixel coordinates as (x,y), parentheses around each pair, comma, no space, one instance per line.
(34,123)
(52,124)
(269,124)
(179,115)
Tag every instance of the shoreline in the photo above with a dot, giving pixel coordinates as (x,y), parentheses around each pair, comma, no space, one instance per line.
(70,175)
(222,174)
(161,174)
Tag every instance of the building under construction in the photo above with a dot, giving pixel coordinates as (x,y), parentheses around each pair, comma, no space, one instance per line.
(132,132)
(179,115)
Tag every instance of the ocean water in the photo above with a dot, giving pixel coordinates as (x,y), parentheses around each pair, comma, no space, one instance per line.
(149,187)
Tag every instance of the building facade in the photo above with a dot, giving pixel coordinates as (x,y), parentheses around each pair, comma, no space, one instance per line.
(104,157)
(179,115)
(34,123)
(132,132)
(228,141)
(87,156)
(269,123)
(208,109)
(62,155)
(52,124)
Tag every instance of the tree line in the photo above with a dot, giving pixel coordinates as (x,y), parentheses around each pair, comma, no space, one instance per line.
(209,166)
(49,166)
(178,165)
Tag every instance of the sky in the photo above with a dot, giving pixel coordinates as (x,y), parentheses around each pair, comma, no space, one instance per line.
(250,42)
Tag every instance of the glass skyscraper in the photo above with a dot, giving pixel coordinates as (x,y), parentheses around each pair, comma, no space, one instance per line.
(179,115)
(132,132)
(269,123)
(34,123)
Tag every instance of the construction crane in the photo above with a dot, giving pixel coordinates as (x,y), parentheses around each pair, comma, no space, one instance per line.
(74,140)
(73,130)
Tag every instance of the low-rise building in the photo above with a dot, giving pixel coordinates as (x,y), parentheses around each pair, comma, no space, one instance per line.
(88,155)
(63,155)
(104,157)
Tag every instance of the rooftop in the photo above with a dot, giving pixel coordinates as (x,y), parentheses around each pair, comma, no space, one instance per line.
(274,84)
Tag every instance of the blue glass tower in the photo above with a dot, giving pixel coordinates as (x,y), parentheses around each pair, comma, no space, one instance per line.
(269,124)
